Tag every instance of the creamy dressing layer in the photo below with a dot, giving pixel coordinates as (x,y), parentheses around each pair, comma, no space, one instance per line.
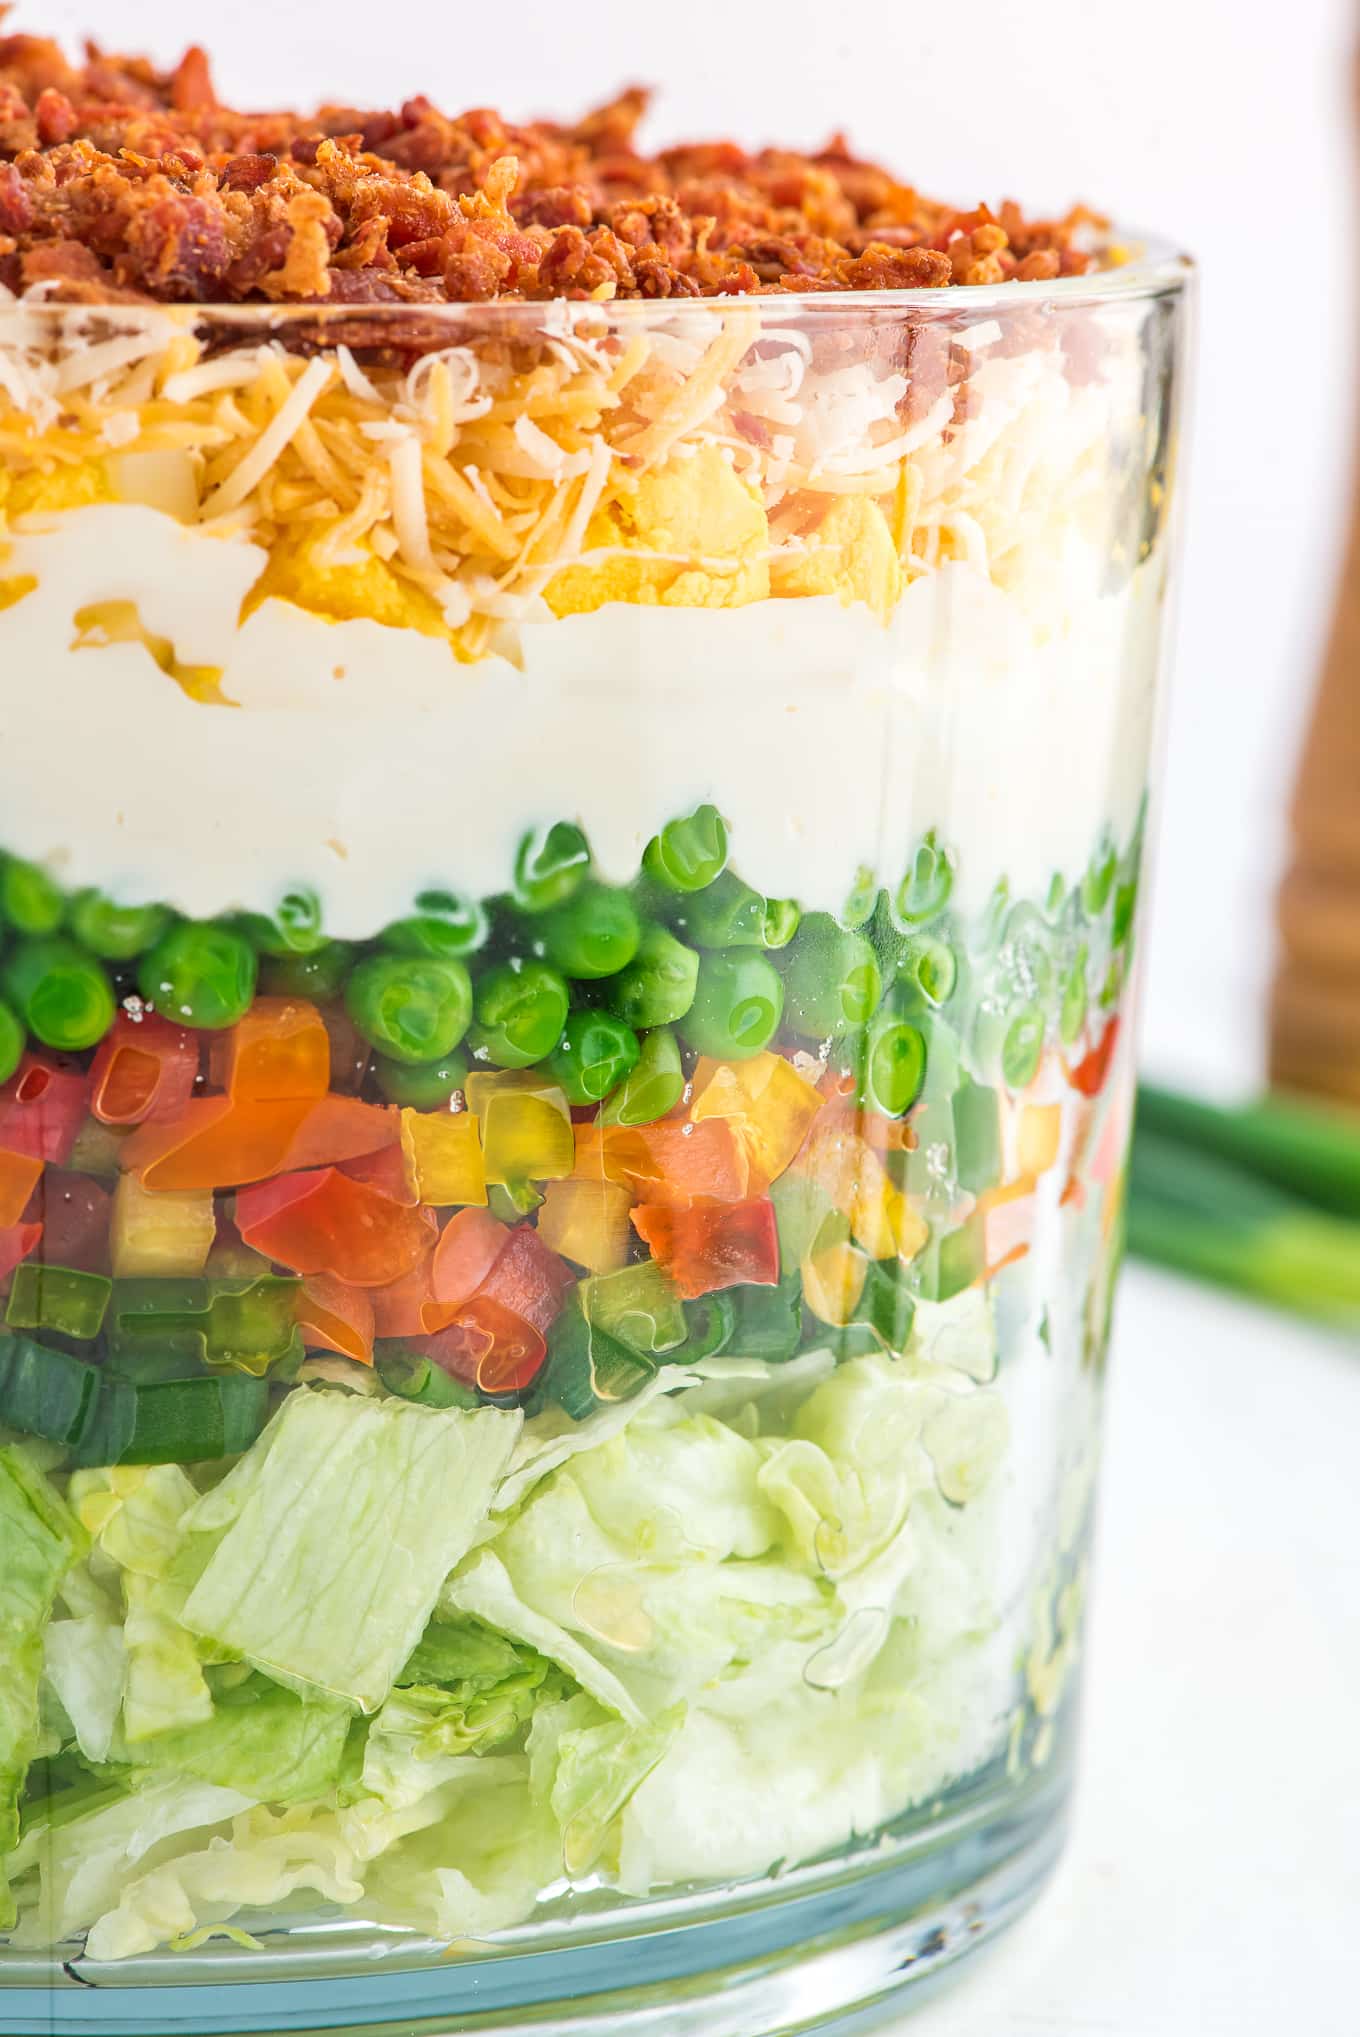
(364,762)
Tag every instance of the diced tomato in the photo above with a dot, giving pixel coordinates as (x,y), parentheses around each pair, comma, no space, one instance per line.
(325,1223)
(350,1051)
(1088,1076)
(528,1280)
(145,1069)
(489,1347)
(469,1246)
(75,1215)
(388,1170)
(407,1307)
(42,1108)
(713,1245)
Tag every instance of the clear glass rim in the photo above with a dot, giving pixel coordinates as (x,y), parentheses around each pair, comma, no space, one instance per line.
(1157,269)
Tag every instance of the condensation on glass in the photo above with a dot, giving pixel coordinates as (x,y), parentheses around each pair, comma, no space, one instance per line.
(569,902)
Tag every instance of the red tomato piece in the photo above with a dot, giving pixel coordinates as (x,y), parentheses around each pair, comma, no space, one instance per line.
(407,1307)
(1088,1077)
(713,1245)
(75,1214)
(42,1108)
(388,1171)
(145,1069)
(469,1245)
(528,1279)
(16,1242)
(333,1316)
(350,1051)
(325,1223)
(489,1347)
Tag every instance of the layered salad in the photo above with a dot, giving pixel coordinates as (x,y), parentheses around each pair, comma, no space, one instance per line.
(574,730)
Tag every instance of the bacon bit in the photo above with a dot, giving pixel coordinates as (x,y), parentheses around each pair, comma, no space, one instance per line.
(117,178)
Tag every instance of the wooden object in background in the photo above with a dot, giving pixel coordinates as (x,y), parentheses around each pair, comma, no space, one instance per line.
(1315,1008)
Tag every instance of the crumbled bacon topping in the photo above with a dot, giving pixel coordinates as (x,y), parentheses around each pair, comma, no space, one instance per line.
(120,181)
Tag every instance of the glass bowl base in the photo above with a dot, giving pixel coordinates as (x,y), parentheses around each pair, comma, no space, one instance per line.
(862,1941)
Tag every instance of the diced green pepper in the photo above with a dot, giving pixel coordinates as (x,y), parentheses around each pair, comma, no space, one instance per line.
(58,1298)
(768,1320)
(977,1136)
(412,1376)
(242,1326)
(637,1306)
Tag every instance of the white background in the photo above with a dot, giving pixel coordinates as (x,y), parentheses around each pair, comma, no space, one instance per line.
(1222,124)
(1214,1878)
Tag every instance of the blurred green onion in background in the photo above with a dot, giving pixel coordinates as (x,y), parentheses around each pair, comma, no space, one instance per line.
(1263,1198)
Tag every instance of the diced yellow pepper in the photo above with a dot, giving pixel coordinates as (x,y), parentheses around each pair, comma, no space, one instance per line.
(155,1233)
(833,1281)
(768,1103)
(443,1152)
(1038,1135)
(587,1222)
(526,1126)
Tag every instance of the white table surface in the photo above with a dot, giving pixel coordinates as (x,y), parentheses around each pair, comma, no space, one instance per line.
(1211,1887)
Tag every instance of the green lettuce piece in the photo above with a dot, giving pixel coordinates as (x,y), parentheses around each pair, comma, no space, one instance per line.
(85,1663)
(482,1850)
(590,1766)
(261,1739)
(39,1540)
(332,1544)
(136,1516)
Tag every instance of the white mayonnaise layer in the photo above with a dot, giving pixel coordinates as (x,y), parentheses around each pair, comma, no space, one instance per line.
(366,763)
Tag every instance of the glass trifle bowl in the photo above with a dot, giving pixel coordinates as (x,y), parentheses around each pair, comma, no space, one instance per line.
(569,904)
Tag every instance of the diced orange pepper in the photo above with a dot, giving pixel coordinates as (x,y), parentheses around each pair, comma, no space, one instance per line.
(712,1245)
(16,1242)
(767,1103)
(1008,1216)
(833,1281)
(333,1316)
(19,1173)
(145,1068)
(158,1236)
(280,1052)
(587,1222)
(526,1126)
(443,1150)
(407,1307)
(323,1222)
(670,1164)
(853,1178)
(221,1144)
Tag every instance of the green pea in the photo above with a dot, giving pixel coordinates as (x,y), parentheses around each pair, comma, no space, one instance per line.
(892,1067)
(729,914)
(658,984)
(1125,907)
(411,1008)
(319,977)
(593,1056)
(12,1040)
(199,974)
(1098,882)
(738,1003)
(833,978)
(593,933)
(294,928)
(689,853)
(1023,1047)
(550,867)
(116,933)
(444,927)
(521,1008)
(1029,953)
(992,921)
(29,900)
(653,1088)
(858,909)
(1074,999)
(1057,896)
(929,967)
(924,892)
(426,1085)
(61,993)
